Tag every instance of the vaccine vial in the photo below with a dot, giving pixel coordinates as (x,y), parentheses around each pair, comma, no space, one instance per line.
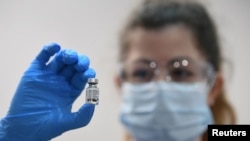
(92,91)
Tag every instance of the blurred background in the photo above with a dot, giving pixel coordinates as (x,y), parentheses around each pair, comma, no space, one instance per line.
(92,27)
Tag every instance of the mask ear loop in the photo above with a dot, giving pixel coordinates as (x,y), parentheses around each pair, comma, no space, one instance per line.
(211,75)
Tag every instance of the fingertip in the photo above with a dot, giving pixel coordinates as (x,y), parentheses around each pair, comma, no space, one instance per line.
(80,118)
(85,114)
(44,55)
(83,63)
(80,79)
(90,73)
(87,111)
(69,56)
(52,48)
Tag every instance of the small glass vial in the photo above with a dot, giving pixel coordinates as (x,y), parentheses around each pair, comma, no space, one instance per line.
(92,92)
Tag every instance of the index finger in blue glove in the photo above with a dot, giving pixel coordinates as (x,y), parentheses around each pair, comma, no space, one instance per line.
(44,55)
(62,59)
(70,70)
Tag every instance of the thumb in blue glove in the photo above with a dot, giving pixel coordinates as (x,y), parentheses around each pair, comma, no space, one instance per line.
(41,107)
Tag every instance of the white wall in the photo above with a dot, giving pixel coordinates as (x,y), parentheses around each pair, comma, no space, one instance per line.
(233,23)
(91,27)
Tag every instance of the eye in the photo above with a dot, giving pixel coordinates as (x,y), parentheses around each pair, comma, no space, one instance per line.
(181,74)
(142,75)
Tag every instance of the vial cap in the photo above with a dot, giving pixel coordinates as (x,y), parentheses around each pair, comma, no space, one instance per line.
(93,80)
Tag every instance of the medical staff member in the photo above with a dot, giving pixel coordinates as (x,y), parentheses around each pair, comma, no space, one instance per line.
(170,78)
(41,107)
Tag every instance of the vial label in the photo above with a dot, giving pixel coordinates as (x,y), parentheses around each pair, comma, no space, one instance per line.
(92,95)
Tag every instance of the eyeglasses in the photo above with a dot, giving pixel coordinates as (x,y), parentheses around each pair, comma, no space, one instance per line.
(176,70)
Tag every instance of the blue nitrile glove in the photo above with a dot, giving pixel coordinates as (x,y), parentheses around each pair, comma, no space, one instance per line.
(41,107)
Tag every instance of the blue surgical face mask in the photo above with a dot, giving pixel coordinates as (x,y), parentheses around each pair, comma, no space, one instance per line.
(165,111)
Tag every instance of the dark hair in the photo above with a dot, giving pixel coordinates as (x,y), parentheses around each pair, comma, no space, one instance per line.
(153,15)
(156,14)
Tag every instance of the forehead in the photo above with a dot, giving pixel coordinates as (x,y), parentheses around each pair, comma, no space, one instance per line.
(163,44)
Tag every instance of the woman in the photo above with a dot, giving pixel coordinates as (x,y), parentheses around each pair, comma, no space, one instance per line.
(170,78)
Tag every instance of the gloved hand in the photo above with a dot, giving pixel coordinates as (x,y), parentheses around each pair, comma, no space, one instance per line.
(41,107)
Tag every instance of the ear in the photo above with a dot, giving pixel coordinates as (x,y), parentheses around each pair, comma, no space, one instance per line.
(128,137)
(117,81)
(216,89)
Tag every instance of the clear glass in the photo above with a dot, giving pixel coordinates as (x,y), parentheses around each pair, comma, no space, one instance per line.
(176,70)
(92,94)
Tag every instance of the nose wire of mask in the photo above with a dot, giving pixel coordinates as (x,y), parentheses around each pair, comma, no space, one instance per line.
(171,111)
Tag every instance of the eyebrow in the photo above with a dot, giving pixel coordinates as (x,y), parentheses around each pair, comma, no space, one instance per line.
(172,60)
(144,60)
(191,62)
(179,59)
